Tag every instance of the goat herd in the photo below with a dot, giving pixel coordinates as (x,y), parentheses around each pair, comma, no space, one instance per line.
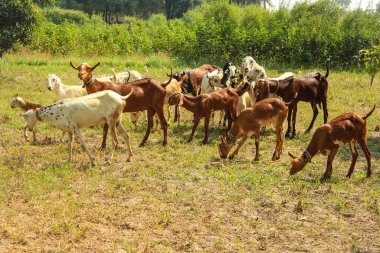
(249,99)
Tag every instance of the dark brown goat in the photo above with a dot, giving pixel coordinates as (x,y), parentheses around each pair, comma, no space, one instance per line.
(148,94)
(309,88)
(270,111)
(203,105)
(192,79)
(347,128)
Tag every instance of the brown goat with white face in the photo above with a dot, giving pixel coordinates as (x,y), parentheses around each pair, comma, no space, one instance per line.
(203,105)
(270,111)
(308,88)
(148,94)
(347,128)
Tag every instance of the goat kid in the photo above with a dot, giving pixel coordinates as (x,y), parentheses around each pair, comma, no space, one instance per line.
(71,114)
(270,111)
(347,128)
(25,106)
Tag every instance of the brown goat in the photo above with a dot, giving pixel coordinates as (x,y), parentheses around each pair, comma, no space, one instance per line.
(225,99)
(347,128)
(148,94)
(192,79)
(270,111)
(308,88)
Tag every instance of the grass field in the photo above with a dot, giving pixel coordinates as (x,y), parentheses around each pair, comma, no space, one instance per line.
(182,197)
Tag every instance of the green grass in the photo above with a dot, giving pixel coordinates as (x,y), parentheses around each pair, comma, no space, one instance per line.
(181,197)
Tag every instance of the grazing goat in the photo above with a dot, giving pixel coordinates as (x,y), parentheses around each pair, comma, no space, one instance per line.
(247,64)
(347,128)
(224,99)
(25,106)
(149,94)
(54,83)
(71,114)
(308,88)
(250,121)
(192,78)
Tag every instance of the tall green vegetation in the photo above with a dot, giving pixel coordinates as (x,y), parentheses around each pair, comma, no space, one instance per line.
(218,31)
(17,20)
(371,61)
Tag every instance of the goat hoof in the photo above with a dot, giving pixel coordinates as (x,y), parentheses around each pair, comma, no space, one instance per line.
(256,159)
(164,143)
(189,140)
(204,142)
(103,147)
(369,175)
(325,178)
(307,131)
(231,157)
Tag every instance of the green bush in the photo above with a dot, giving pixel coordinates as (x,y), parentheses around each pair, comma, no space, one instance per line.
(58,16)
(217,31)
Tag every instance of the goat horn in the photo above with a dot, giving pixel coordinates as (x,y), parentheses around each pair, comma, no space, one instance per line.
(114,75)
(129,76)
(92,69)
(170,79)
(72,65)
(291,155)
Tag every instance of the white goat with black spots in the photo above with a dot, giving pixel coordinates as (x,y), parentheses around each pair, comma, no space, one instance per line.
(71,114)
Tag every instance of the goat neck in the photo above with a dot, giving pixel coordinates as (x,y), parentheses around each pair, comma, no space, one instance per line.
(96,86)
(58,88)
(189,103)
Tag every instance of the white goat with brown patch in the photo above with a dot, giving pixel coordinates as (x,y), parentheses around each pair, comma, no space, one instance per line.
(25,106)
(70,115)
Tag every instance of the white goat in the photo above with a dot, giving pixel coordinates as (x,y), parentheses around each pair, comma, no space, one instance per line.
(71,114)
(247,64)
(54,83)
(25,106)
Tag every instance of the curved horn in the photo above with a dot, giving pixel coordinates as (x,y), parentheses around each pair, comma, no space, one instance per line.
(92,69)
(129,76)
(170,79)
(72,65)
(291,155)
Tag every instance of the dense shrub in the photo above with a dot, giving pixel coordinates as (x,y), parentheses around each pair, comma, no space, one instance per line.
(217,31)
(58,16)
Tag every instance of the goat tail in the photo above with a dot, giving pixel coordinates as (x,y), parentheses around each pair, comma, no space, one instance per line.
(243,90)
(327,72)
(170,79)
(369,114)
(127,96)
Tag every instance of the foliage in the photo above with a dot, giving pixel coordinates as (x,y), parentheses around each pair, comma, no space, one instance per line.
(218,31)
(371,60)
(58,16)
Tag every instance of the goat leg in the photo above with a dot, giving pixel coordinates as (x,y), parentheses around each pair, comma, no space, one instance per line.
(257,141)
(25,131)
(151,113)
(105,132)
(294,118)
(79,135)
(367,153)
(315,114)
(164,126)
(70,143)
(287,134)
(330,159)
(126,138)
(206,122)
(236,151)
(195,125)
(355,155)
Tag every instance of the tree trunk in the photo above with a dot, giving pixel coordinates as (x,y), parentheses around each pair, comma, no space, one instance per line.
(372,78)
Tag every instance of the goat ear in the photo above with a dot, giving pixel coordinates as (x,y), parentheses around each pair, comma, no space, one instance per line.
(92,69)
(72,65)
(291,155)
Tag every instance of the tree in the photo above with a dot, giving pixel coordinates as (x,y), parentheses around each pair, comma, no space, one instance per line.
(371,60)
(17,21)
